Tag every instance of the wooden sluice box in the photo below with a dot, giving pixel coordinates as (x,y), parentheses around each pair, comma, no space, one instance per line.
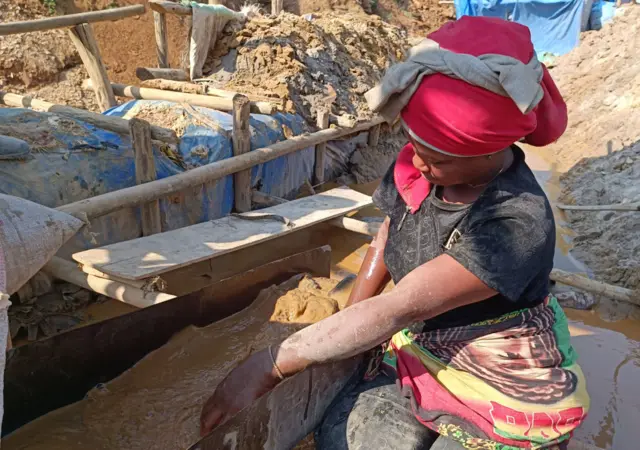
(46,375)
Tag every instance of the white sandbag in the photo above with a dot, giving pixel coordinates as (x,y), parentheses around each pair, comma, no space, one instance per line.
(207,22)
(30,234)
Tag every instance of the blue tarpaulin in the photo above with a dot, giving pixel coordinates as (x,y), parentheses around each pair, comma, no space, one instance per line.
(72,160)
(554,24)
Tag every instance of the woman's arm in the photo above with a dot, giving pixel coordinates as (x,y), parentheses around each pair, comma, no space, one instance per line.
(373,275)
(424,293)
(438,286)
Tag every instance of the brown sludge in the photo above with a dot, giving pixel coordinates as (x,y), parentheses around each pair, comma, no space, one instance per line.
(156,404)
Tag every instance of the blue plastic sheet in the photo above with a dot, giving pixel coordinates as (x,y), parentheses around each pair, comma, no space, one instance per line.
(554,24)
(81,161)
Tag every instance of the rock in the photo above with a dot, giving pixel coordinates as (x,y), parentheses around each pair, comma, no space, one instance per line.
(576,300)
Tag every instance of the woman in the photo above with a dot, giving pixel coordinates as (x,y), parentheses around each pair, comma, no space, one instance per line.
(479,355)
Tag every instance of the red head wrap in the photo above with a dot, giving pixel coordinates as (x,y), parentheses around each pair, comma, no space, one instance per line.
(457,118)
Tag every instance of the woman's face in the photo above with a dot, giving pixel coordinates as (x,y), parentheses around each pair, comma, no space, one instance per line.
(445,170)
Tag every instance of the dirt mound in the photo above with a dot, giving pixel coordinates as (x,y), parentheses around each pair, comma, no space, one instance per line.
(32,58)
(608,242)
(419,17)
(311,61)
(600,81)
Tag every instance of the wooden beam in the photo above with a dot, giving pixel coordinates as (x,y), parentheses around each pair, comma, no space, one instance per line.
(136,195)
(595,287)
(318,169)
(276,7)
(176,86)
(71,273)
(70,20)
(162,47)
(241,145)
(145,172)
(221,104)
(165,7)
(614,207)
(110,123)
(152,73)
(85,42)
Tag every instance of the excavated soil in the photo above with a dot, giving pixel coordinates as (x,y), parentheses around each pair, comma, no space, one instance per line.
(157,403)
(47,66)
(312,62)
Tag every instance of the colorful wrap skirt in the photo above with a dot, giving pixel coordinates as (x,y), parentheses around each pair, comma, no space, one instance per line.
(507,383)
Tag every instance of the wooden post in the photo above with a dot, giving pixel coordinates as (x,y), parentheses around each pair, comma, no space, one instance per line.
(318,171)
(162,48)
(70,20)
(85,42)
(241,145)
(145,172)
(152,73)
(276,7)
(374,136)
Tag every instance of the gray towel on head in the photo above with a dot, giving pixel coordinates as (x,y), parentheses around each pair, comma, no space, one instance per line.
(500,74)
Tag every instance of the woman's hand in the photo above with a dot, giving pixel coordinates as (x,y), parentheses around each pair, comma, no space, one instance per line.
(241,387)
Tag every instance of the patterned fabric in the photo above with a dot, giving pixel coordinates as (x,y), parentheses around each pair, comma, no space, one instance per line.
(501,384)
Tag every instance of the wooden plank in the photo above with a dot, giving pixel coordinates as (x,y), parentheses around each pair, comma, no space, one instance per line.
(199,275)
(263,200)
(208,101)
(241,145)
(110,123)
(132,196)
(153,73)
(48,374)
(160,253)
(283,417)
(318,168)
(145,171)
(162,47)
(85,42)
(70,20)
(163,6)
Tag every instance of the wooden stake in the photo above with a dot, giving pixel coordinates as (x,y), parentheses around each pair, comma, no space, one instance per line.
(145,172)
(615,207)
(241,145)
(85,42)
(110,123)
(176,86)
(374,136)
(136,195)
(152,73)
(70,20)
(221,104)
(318,170)
(162,48)
(276,7)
